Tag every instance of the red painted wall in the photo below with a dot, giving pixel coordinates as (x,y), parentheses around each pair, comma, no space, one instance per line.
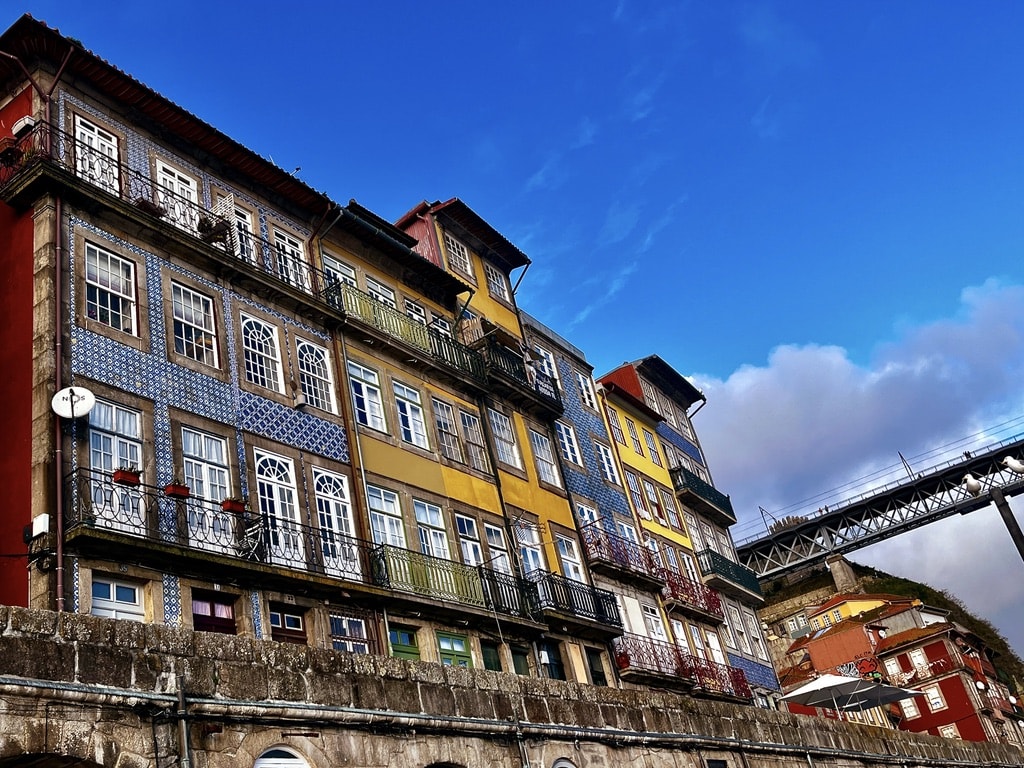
(16,256)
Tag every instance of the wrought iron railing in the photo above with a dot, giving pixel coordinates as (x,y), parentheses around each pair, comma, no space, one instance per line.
(45,143)
(685,481)
(692,594)
(551,592)
(435,577)
(636,653)
(96,499)
(602,546)
(714,564)
(714,678)
(513,365)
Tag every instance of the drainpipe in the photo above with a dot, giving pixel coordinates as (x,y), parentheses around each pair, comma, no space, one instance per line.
(184,760)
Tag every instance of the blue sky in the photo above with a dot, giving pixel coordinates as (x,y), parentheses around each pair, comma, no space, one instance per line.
(813,209)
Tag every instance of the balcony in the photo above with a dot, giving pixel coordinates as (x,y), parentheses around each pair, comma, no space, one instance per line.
(45,147)
(592,611)
(525,384)
(620,558)
(110,514)
(723,574)
(717,680)
(439,579)
(703,496)
(391,323)
(643,660)
(693,597)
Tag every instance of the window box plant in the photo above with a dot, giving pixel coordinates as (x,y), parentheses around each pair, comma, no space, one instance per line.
(177,490)
(233,504)
(126,475)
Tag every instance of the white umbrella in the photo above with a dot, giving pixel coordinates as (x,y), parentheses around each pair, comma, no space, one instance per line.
(851,694)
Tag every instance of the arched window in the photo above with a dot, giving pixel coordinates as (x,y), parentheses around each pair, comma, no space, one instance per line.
(563,763)
(280,757)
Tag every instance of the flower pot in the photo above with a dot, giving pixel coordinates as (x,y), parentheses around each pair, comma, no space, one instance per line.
(177,491)
(126,477)
(235,506)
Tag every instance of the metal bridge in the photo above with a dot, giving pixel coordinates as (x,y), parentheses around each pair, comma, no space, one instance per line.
(887,511)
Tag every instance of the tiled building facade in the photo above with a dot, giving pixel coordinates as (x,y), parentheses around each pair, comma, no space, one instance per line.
(297,421)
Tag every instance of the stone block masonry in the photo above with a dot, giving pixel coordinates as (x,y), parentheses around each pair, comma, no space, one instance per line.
(106,692)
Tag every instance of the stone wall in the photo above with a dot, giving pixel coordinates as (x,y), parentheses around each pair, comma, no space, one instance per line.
(106,692)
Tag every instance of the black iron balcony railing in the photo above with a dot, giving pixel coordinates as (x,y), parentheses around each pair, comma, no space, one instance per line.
(702,495)
(277,259)
(691,595)
(98,501)
(50,145)
(551,592)
(435,577)
(511,364)
(106,501)
(639,655)
(607,550)
(726,573)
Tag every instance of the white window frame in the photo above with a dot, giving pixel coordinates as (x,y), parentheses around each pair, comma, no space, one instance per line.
(449,443)
(367,401)
(544,459)
(469,540)
(431,530)
(530,551)
(613,424)
(291,261)
(278,499)
(653,622)
(548,365)
(505,443)
(181,205)
(606,461)
(207,473)
(316,377)
(118,606)
(386,526)
(348,633)
(497,283)
(497,548)
(634,436)
(754,628)
(933,696)
(97,155)
(110,281)
(459,259)
(474,441)
(384,294)
(194,325)
(261,353)
(636,494)
(736,622)
(245,248)
(652,447)
(412,424)
(910,708)
(569,555)
(567,444)
(415,312)
(336,528)
(586,385)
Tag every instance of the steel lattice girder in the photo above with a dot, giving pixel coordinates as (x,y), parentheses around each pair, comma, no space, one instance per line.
(885,513)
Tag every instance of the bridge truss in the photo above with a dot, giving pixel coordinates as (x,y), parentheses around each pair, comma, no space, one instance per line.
(885,512)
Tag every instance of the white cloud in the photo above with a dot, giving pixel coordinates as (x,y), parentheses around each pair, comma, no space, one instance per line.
(784,434)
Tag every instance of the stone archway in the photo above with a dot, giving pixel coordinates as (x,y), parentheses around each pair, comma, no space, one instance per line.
(280,757)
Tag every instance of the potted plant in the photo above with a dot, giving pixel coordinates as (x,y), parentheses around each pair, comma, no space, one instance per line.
(213,230)
(147,205)
(127,475)
(233,504)
(177,489)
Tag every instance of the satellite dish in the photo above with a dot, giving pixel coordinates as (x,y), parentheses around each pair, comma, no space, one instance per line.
(73,402)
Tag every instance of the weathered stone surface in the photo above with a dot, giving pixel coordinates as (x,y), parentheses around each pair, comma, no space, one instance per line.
(382,711)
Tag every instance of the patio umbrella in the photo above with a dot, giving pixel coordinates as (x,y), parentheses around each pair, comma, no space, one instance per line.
(851,694)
